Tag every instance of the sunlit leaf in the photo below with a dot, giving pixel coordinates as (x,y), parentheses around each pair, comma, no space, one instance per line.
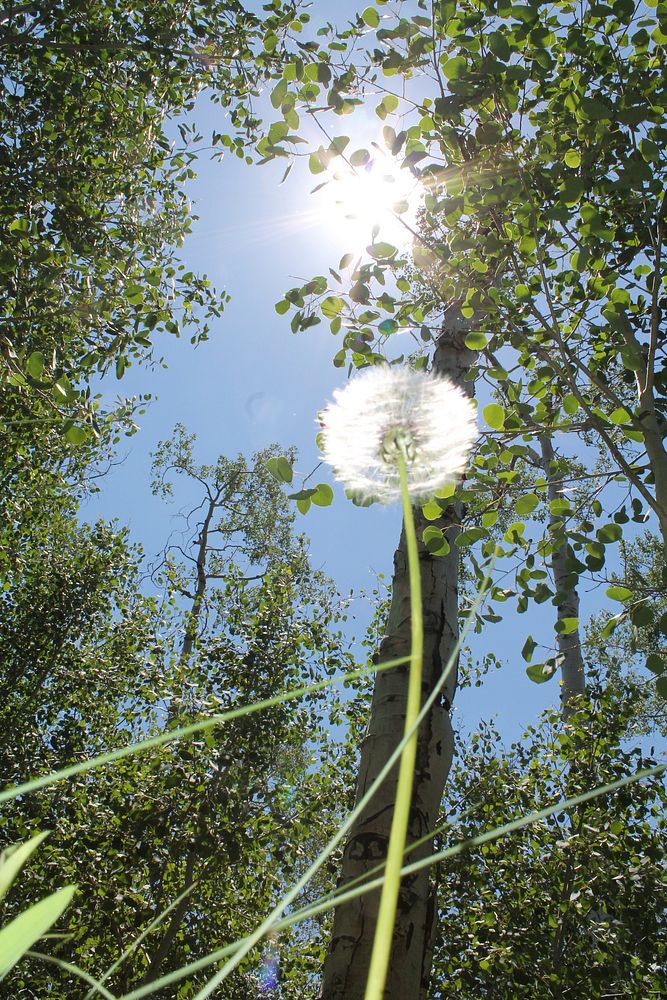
(566,626)
(323,495)
(528,649)
(618,593)
(526,504)
(381,251)
(370,17)
(432,510)
(494,414)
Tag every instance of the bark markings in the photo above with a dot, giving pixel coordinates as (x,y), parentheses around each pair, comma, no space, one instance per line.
(346,965)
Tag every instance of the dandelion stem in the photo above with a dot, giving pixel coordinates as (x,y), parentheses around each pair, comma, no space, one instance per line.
(384,930)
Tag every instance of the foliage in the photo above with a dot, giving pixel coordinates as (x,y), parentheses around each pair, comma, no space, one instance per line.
(537,134)
(633,639)
(96,151)
(574,905)
(91,662)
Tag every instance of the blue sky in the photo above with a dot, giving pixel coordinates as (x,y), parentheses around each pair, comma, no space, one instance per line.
(255,382)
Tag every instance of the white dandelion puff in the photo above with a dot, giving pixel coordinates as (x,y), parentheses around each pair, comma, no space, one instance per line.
(385,412)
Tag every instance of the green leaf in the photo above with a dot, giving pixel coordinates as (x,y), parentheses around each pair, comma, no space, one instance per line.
(498,44)
(282,307)
(655,663)
(323,495)
(649,150)
(359,292)
(526,504)
(476,341)
(278,93)
(35,364)
(370,17)
(661,687)
(13,859)
(302,494)
(571,190)
(432,510)
(360,158)
(539,673)
(566,626)
(528,649)
(470,536)
(514,533)
(620,416)
(559,506)
(489,518)
(76,435)
(618,593)
(611,625)
(63,389)
(435,541)
(315,165)
(332,306)
(280,469)
(454,68)
(494,414)
(339,144)
(570,404)
(641,615)
(609,533)
(381,251)
(446,492)
(303,505)
(18,936)
(572,158)
(595,110)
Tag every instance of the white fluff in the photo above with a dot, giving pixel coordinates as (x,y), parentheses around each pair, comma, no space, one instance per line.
(433,418)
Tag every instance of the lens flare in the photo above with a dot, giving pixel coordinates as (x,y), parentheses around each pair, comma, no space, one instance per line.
(269,971)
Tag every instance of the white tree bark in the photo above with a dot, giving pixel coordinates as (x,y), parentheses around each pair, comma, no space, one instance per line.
(569,648)
(346,965)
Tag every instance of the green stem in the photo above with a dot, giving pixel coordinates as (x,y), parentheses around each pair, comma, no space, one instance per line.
(384,930)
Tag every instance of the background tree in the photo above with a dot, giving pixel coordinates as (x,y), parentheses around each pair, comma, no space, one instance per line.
(631,642)
(96,152)
(575,904)
(90,663)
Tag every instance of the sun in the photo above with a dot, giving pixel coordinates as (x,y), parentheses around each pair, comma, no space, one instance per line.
(375,199)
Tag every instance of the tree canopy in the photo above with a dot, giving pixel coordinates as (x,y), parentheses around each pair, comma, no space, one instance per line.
(532,275)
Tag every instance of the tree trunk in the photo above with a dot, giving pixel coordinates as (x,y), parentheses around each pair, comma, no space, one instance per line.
(162,949)
(651,423)
(568,643)
(202,580)
(346,965)
(654,442)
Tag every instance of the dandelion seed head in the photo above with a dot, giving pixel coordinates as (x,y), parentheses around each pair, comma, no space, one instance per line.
(387,412)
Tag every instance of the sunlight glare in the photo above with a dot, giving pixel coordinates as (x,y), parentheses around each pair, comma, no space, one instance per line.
(379,195)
